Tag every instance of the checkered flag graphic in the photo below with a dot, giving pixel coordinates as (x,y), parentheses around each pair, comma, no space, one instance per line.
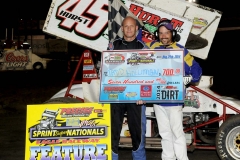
(117,11)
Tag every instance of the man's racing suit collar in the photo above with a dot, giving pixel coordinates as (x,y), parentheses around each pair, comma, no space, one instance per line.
(165,46)
(126,42)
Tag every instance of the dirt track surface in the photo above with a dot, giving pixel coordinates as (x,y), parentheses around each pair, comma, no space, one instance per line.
(18,89)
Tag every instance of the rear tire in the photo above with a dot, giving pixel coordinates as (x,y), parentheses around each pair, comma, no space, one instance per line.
(51,126)
(61,100)
(228,139)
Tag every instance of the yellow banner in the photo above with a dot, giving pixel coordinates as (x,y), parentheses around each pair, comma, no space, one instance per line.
(76,131)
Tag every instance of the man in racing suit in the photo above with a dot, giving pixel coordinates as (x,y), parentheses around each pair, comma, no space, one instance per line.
(136,117)
(169,115)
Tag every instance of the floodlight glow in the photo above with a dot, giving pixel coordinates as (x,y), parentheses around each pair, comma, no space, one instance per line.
(192,1)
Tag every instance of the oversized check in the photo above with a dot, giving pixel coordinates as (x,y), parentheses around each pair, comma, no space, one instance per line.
(149,75)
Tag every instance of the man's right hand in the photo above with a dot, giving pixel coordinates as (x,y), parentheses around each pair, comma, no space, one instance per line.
(187,79)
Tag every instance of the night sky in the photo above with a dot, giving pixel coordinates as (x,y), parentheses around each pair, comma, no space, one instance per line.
(12,10)
(224,55)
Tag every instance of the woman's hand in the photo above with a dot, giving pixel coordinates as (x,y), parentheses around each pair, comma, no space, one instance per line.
(139,102)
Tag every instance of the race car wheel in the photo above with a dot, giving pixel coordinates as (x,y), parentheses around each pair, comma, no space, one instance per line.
(37,66)
(51,125)
(228,139)
(61,100)
(38,127)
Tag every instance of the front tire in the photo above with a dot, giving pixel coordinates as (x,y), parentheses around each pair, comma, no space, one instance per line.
(38,127)
(38,66)
(228,139)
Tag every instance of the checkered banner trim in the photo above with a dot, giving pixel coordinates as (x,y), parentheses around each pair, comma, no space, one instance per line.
(117,11)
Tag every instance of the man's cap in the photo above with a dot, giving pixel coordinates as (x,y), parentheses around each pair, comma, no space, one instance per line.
(167,24)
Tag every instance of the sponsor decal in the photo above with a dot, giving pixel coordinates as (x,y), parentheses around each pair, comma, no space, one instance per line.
(169,87)
(110,46)
(99,110)
(88,67)
(146,91)
(168,83)
(144,58)
(100,115)
(161,81)
(116,89)
(86,54)
(15,61)
(164,94)
(72,122)
(87,123)
(153,19)
(113,96)
(87,61)
(131,94)
(192,99)
(76,112)
(114,58)
(89,75)
(147,36)
(199,23)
